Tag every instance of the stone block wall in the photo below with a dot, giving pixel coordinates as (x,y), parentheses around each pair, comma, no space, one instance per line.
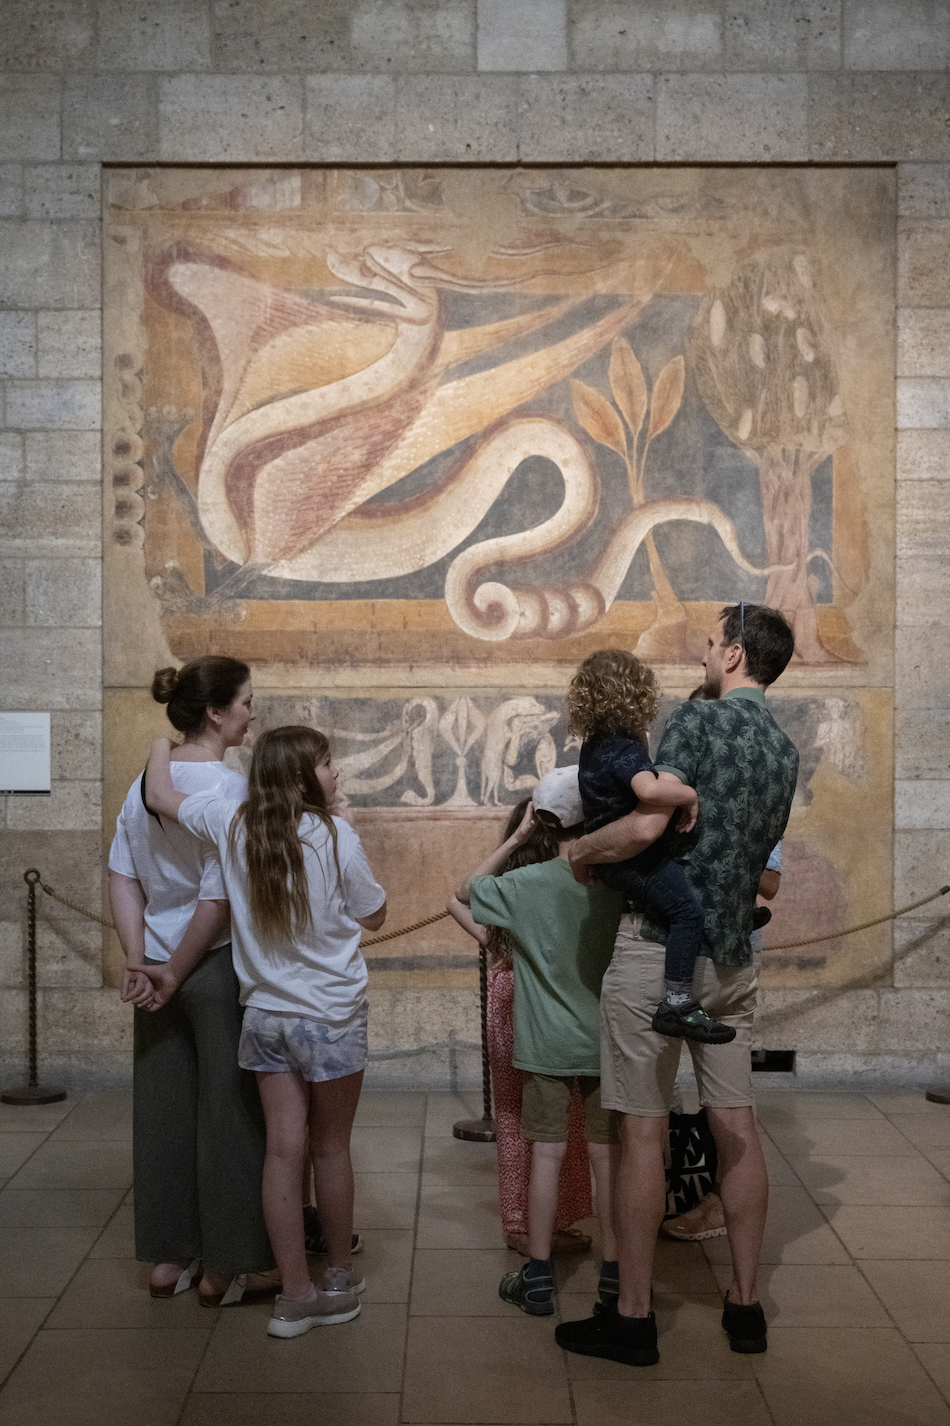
(85,83)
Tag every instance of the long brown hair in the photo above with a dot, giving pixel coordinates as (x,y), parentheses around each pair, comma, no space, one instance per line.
(541,846)
(282,785)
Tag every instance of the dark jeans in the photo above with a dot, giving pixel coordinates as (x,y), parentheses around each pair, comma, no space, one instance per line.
(653,882)
(198,1129)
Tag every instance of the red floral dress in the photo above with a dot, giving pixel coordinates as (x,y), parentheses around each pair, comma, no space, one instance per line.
(514,1152)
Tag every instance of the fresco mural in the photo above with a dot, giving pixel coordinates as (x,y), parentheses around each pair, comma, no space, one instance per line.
(413,443)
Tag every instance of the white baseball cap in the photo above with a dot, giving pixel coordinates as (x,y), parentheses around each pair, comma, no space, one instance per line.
(558,792)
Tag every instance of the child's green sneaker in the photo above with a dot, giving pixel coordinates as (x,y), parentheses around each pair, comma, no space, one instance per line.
(534,1295)
(689,1021)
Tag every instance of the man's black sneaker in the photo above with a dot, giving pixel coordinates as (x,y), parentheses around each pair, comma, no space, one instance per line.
(745,1326)
(314,1238)
(689,1021)
(631,1340)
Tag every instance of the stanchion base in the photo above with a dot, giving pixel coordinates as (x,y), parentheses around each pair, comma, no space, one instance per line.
(32,1094)
(481,1131)
(938,1094)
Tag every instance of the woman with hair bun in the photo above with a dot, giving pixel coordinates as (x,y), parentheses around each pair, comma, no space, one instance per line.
(198,1132)
(301,891)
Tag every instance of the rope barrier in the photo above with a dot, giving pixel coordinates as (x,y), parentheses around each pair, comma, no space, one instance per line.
(416,926)
(864,926)
(441,915)
(74,906)
(110,926)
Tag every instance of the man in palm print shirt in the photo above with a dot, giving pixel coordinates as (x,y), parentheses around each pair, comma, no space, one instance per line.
(744,769)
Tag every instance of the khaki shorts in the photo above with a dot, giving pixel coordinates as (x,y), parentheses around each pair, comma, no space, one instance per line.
(638,1066)
(546,1107)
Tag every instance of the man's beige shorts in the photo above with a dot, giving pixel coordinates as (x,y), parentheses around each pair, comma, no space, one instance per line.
(638,1066)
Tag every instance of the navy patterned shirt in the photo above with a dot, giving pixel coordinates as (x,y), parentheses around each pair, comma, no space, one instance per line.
(608,765)
(744,768)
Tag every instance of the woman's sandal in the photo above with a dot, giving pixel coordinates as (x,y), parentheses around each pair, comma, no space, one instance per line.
(569,1240)
(563,1241)
(237,1291)
(185,1279)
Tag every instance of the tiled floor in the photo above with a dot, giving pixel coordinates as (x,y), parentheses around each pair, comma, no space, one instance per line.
(856,1283)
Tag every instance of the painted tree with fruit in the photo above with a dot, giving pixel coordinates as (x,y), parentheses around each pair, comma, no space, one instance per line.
(762,353)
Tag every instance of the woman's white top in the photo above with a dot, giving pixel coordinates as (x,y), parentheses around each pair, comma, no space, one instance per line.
(321,972)
(175,869)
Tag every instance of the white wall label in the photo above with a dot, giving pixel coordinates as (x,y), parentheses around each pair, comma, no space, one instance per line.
(24,752)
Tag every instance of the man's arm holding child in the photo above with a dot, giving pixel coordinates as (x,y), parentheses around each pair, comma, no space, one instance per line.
(617,842)
(661,791)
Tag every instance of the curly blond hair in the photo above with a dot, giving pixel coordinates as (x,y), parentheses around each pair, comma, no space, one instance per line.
(613,692)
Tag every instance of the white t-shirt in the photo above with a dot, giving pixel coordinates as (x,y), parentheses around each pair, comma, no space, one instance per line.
(175,869)
(321,974)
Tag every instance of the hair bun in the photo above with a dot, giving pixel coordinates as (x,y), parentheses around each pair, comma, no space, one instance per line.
(164,684)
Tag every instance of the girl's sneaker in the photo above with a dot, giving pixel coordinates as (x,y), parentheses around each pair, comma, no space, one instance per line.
(534,1295)
(689,1021)
(314,1238)
(343,1280)
(291,1317)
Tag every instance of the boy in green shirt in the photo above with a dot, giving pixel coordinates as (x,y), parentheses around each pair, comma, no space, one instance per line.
(563,937)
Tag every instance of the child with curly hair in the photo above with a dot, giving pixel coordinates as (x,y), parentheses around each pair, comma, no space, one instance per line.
(612,701)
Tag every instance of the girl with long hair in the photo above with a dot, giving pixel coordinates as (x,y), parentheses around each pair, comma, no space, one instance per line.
(198,1131)
(300,890)
(514,1151)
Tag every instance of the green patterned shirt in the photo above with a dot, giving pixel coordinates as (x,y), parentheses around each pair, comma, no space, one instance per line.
(744,769)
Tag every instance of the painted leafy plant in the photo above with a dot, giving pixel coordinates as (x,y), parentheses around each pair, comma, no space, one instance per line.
(629,428)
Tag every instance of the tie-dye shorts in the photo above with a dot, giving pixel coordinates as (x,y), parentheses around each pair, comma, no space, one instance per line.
(273,1041)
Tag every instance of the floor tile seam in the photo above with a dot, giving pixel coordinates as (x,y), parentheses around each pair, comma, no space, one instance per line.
(916,1147)
(8,1183)
(842,1244)
(39,1328)
(855,1331)
(944,1173)
(186,1394)
(84,1259)
(785,1160)
(826,1208)
(945,1395)
(412,1264)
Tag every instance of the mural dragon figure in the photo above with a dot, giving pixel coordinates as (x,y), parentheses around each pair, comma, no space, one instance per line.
(317,406)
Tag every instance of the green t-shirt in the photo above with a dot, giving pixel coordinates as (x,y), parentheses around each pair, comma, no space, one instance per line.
(564,935)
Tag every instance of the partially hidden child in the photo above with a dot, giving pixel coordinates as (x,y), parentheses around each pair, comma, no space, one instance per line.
(563,938)
(612,701)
